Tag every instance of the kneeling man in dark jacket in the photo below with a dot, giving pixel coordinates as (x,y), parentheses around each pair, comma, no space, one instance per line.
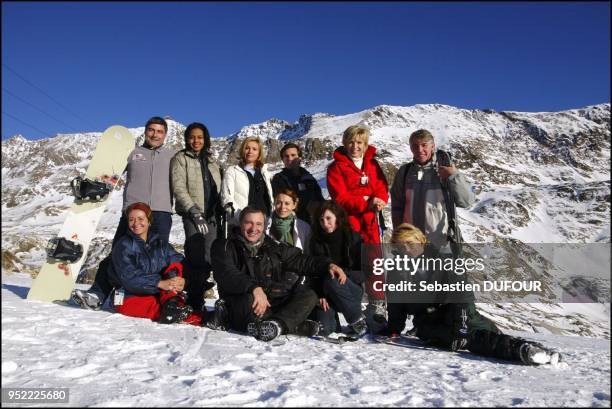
(260,281)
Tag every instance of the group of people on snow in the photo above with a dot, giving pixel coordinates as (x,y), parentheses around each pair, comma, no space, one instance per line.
(284,259)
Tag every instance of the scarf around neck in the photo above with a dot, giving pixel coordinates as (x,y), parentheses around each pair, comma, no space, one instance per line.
(282,228)
(358,162)
(252,248)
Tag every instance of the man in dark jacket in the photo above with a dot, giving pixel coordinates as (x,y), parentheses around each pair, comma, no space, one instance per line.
(298,179)
(260,281)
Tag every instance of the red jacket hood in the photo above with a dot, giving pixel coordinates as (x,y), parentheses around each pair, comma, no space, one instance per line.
(341,156)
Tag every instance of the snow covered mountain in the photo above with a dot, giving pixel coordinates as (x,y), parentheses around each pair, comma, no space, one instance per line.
(539,178)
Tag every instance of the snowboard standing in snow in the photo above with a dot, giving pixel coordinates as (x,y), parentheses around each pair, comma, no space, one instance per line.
(67,252)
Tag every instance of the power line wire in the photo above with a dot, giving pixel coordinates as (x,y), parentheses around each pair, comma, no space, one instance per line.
(38,109)
(25,123)
(44,93)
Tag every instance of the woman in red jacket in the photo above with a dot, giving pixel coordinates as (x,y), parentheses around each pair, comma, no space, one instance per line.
(357,183)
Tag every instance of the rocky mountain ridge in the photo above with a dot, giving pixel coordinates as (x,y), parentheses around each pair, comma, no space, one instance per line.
(539,177)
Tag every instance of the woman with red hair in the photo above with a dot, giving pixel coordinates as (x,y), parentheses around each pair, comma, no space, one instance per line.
(147,273)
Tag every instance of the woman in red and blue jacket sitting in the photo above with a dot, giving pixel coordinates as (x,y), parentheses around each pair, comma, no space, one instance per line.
(147,273)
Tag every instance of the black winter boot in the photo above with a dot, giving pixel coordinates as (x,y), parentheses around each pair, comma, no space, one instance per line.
(359,327)
(308,328)
(265,330)
(172,312)
(533,353)
(376,315)
(220,317)
(86,300)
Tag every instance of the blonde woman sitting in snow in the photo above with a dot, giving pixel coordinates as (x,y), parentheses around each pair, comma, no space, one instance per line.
(457,325)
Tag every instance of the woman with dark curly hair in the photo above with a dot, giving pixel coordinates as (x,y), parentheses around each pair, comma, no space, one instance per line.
(196,180)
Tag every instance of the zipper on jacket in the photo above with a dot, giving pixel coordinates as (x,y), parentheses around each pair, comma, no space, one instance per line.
(151,176)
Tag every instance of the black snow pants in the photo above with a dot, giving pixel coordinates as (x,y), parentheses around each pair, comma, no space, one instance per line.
(484,338)
(289,311)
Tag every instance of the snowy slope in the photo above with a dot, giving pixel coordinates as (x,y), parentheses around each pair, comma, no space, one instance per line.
(111,360)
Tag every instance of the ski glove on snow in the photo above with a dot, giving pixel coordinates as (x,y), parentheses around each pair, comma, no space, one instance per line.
(196,217)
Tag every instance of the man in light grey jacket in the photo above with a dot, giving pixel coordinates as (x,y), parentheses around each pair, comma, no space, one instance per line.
(148,179)
(426,191)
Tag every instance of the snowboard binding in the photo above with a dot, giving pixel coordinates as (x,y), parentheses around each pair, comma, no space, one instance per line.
(87,189)
(60,248)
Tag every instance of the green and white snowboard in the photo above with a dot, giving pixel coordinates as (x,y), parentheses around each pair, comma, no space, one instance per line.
(56,279)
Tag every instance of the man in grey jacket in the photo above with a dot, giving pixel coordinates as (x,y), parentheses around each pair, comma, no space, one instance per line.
(147,181)
(426,191)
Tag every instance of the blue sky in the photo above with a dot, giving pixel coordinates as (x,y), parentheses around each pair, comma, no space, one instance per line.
(80,66)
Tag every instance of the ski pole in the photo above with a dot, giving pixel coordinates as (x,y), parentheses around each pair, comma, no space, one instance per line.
(381,225)
(228,213)
(381,232)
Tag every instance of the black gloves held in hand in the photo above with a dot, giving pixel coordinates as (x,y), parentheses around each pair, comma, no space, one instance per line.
(198,219)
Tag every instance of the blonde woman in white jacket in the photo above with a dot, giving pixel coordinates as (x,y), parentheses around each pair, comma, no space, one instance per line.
(284,225)
(248,183)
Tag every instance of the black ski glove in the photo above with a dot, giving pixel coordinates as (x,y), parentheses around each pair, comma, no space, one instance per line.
(196,217)
(460,321)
